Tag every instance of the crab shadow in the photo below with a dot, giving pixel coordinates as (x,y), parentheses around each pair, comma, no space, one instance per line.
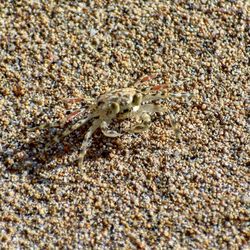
(36,159)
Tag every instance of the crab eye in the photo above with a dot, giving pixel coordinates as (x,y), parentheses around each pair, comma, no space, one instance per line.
(115,107)
(137,99)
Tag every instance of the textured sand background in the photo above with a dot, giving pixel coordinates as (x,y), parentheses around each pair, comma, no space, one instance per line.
(145,191)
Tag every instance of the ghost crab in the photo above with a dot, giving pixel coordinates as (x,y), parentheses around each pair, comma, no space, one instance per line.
(119,104)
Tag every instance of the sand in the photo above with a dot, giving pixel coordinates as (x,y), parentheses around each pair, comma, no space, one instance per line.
(138,191)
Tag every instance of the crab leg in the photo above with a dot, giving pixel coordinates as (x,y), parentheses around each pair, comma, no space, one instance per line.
(152,108)
(140,127)
(78,99)
(100,122)
(73,100)
(49,125)
(155,108)
(181,94)
(174,126)
(86,141)
(73,115)
(69,131)
(144,79)
(158,92)
(58,123)
(45,125)
(148,78)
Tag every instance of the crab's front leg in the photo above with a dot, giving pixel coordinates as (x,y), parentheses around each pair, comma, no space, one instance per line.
(152,108)
(145,118)
(143,126)
(107,132)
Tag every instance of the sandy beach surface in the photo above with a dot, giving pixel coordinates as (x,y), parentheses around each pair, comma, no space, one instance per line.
(136,191)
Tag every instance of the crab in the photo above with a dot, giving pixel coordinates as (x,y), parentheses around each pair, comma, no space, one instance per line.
(118,105)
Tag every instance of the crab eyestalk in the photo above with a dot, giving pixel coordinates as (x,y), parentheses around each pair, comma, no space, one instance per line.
(115,107)
(137,99)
